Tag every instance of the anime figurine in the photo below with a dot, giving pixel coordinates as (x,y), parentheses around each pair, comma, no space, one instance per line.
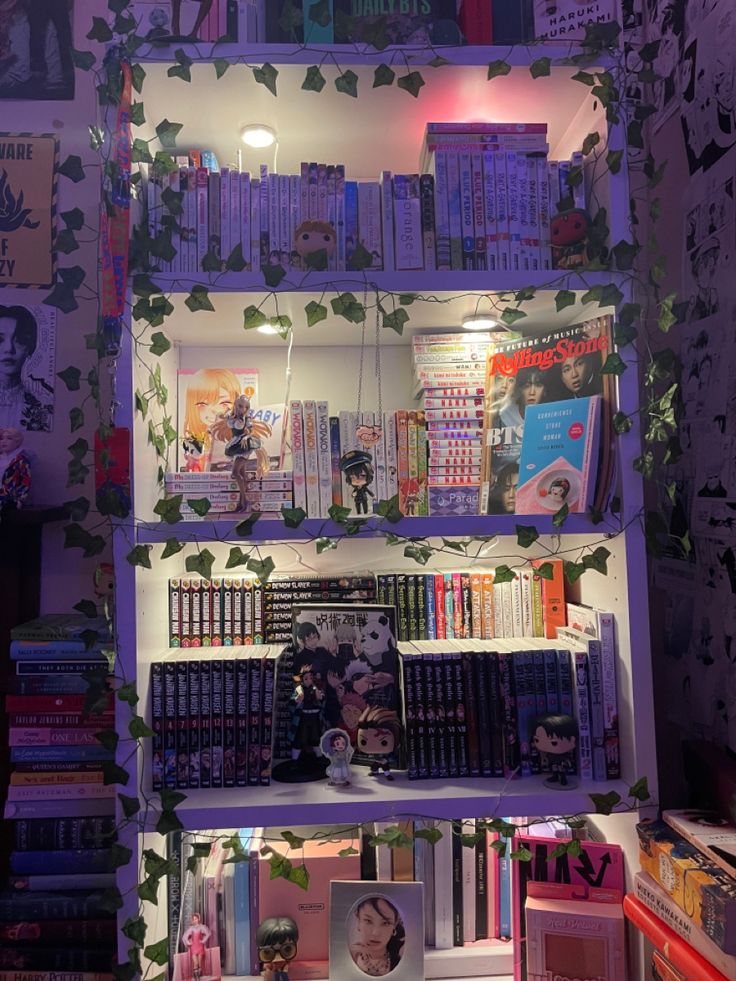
(379,732)
(193,450)
(335,745)
(276,940)
(357,465)
(315,236)
(104,587)
(569,232)
(195,938)
(15,470)
(307,705)
(556,738)
(245,444)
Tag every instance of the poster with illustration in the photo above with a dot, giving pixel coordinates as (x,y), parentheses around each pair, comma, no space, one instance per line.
(27,208)
(27,362)
(36,48)
(206,397)
(710,241)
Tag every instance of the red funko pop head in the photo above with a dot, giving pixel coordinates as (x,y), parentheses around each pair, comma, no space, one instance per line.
(569,227)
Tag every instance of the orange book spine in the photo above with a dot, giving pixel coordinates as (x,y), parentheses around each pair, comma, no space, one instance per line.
(487,604)
(553,597)
(476,605)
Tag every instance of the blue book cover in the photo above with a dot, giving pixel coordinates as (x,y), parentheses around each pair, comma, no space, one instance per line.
(351,220)
(242,907)
(54,754)
(429,605)
(559,454)
(504,894)
(44,650)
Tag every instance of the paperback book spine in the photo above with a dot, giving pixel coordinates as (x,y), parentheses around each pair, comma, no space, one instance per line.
(324,463)
(411,715)
(245,209)
(294,218)
(606,626)
(311,465)
(502,213)
(182,725)
(335,453)
(169,702)
(423,760)
(479,220)
(267,710)
(595,678)
(254,667)
(388,252)
(274,230)
(491,216)
(284,217)
(454,210)
(533,210)
(429,227)
(194,686)
(340,216)
(265,243)
(235,211)
(369,221)
(225,246)
(466,211)
(581,695)
(407,222)
(471,696)
(441,210)
(242,722)
(485,707)
(298,457)
(255,224)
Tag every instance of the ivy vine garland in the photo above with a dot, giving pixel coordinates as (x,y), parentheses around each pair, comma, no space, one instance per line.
(91,524)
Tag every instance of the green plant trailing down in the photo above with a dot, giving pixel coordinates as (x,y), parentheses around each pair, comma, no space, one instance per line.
(91,523)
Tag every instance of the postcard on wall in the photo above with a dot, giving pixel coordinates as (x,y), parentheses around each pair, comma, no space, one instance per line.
(28,166)
(352,650)
(36,46)
(27,372)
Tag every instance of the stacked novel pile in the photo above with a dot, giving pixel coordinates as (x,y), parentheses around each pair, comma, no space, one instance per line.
(61,812)
(685,895)
(449,372)
(217,492)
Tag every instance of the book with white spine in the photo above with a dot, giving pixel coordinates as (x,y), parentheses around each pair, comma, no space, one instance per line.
(295,210)
(534,219)
(255,224)
(265,245)
(479,212)
(234,211)
(453,206)
(369,221)
(543,210)
(274,226)
(324,462)
(466,210)
(379,459)
(407,223)
(311,464)
(321,192)
(524,218)
(298,460)
(202,215)
(332,214)
(225,204)
(387,221)
(491,216)
(441,212)
(392,455)
(284,216)
(245,217)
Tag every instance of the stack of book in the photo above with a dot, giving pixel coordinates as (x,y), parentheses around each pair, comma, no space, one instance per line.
(265,494)
(483,200)
(685,895)
(60,812)
(449,373)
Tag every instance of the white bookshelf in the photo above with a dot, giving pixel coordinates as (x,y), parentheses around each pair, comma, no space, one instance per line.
(382,129)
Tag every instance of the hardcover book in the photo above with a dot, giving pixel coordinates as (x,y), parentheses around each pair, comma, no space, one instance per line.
(709,833)
(559,453)
(565,20)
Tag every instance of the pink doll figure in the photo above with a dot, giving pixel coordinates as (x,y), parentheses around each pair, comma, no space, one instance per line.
(335,745)
(15,468)
(195,939)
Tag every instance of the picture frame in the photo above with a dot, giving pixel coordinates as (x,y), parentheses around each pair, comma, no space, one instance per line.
(376,930)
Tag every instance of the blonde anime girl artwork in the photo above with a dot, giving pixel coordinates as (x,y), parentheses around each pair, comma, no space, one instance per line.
(206,396)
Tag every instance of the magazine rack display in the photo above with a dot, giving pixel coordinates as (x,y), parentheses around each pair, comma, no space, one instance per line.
(382,130)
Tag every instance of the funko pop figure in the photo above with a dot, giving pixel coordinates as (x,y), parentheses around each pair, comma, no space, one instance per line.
(379,732)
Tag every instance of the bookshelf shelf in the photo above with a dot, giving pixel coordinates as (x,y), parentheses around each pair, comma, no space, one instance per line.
(462,526)
(376,800)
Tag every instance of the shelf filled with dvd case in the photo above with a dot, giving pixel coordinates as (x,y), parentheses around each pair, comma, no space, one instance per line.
(209,121)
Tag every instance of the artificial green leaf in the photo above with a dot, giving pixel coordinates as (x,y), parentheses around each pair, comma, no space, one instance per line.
(396,320)
(119,856)
(110,901)
(338,513)
(419,553)
(221,66)
(83,60)
(540,67)
(667,318)
(235,261)
(610,295)
(389,509)
(383,75)
(72,168)
(498,68)
(74,219)
(597,560)
(613,365)
(564,298)
(199,299)
(347,83)
(108,739)
(504,574)
(522,854)
(113,774)
(182,68)
(76,419)
(267,75)
(293,517)
(634,136)
(168,508)
(87,607)
(200,563)
(432,835)
(585,78)
(138,728)
(624,253)
(140,152)
(100,31)
(77,509)
(237,557)
(360,259)
(573,571)
(590,141)
(292,840)
(545,570)
(347,306)
(605,803)
(127,693)
(526,535)
(411,83)
(314,80)
(158,953)
(613,160)
(316,260)
(65,242)
(71,377)
(324,544)
(621,423)
(511,316)
(559,517)
(262,570)
(345,852)
(253,318)
(167,822)
(525,293)
(200,505)
(245,527)
(131,805)
(148,890)
(273,275)
(160,344)
(315,312)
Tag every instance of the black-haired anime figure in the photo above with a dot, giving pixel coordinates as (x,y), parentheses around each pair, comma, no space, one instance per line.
(276,940)
(357,465)
(556,738)
(379,734)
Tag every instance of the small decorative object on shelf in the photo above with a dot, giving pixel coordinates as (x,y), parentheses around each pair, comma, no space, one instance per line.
(277,939)
(357,465)
(15,468)
(195,939)
(556,738)
(335,745)
(379,733)
(569,233)
(307,720)
(245,443)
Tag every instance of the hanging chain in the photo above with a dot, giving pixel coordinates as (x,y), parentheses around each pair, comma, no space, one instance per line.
(378,363)
(362,355)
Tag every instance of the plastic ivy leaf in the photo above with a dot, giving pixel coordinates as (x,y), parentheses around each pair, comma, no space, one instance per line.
(113,774)
(345,305)
(77,537)
(267,75)
(504,574)
(77,509)
(347,83)
(390,510)
(605,803)
(237,557)
(597,560)
(100,31)
(624,334)
(273,275)
(292,840)
(573,571)
(406,299)
(168,822)
(315,312)
(613,365)
(221,66)
(245,528)
(584,77)
(110,901)
(564,298)
(510,316)
(108,739)
(119,856)
(540,67)
(262,570)
(316,260)
(526,535)
(72,168)
(420,553)
(524,294)
(396,320)
(65,242)
(235,261)
(253,318)
(293,517)
(168,509)
(130,805)
(558,519)
(148,889)
(498,68)
(667,317)
(71,377)
(455,546)
(613,160)
(182,68)
(158,953)
(345,852)
(545,570)
(383,75)
(360,259)
(160,344)
(199,299)
(314,80)
(86,607)
(144,286)
(521,854)
(411,83)
(201,563)
(621,423)
(591,140)
(432,835)
(338,513)
(167,133)
(324,544)
(83,59)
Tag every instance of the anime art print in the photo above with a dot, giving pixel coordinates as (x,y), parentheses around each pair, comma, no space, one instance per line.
(206,397)
(352,650)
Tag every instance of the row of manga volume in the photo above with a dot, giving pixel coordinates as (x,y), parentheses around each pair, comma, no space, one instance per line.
(235,610)
(474,708)
(212,718)
(482,207)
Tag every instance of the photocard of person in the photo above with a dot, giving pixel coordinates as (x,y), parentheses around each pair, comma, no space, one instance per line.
(376,929)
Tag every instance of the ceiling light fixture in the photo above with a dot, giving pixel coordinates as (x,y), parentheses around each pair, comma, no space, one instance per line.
(258,136)
(481,321)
